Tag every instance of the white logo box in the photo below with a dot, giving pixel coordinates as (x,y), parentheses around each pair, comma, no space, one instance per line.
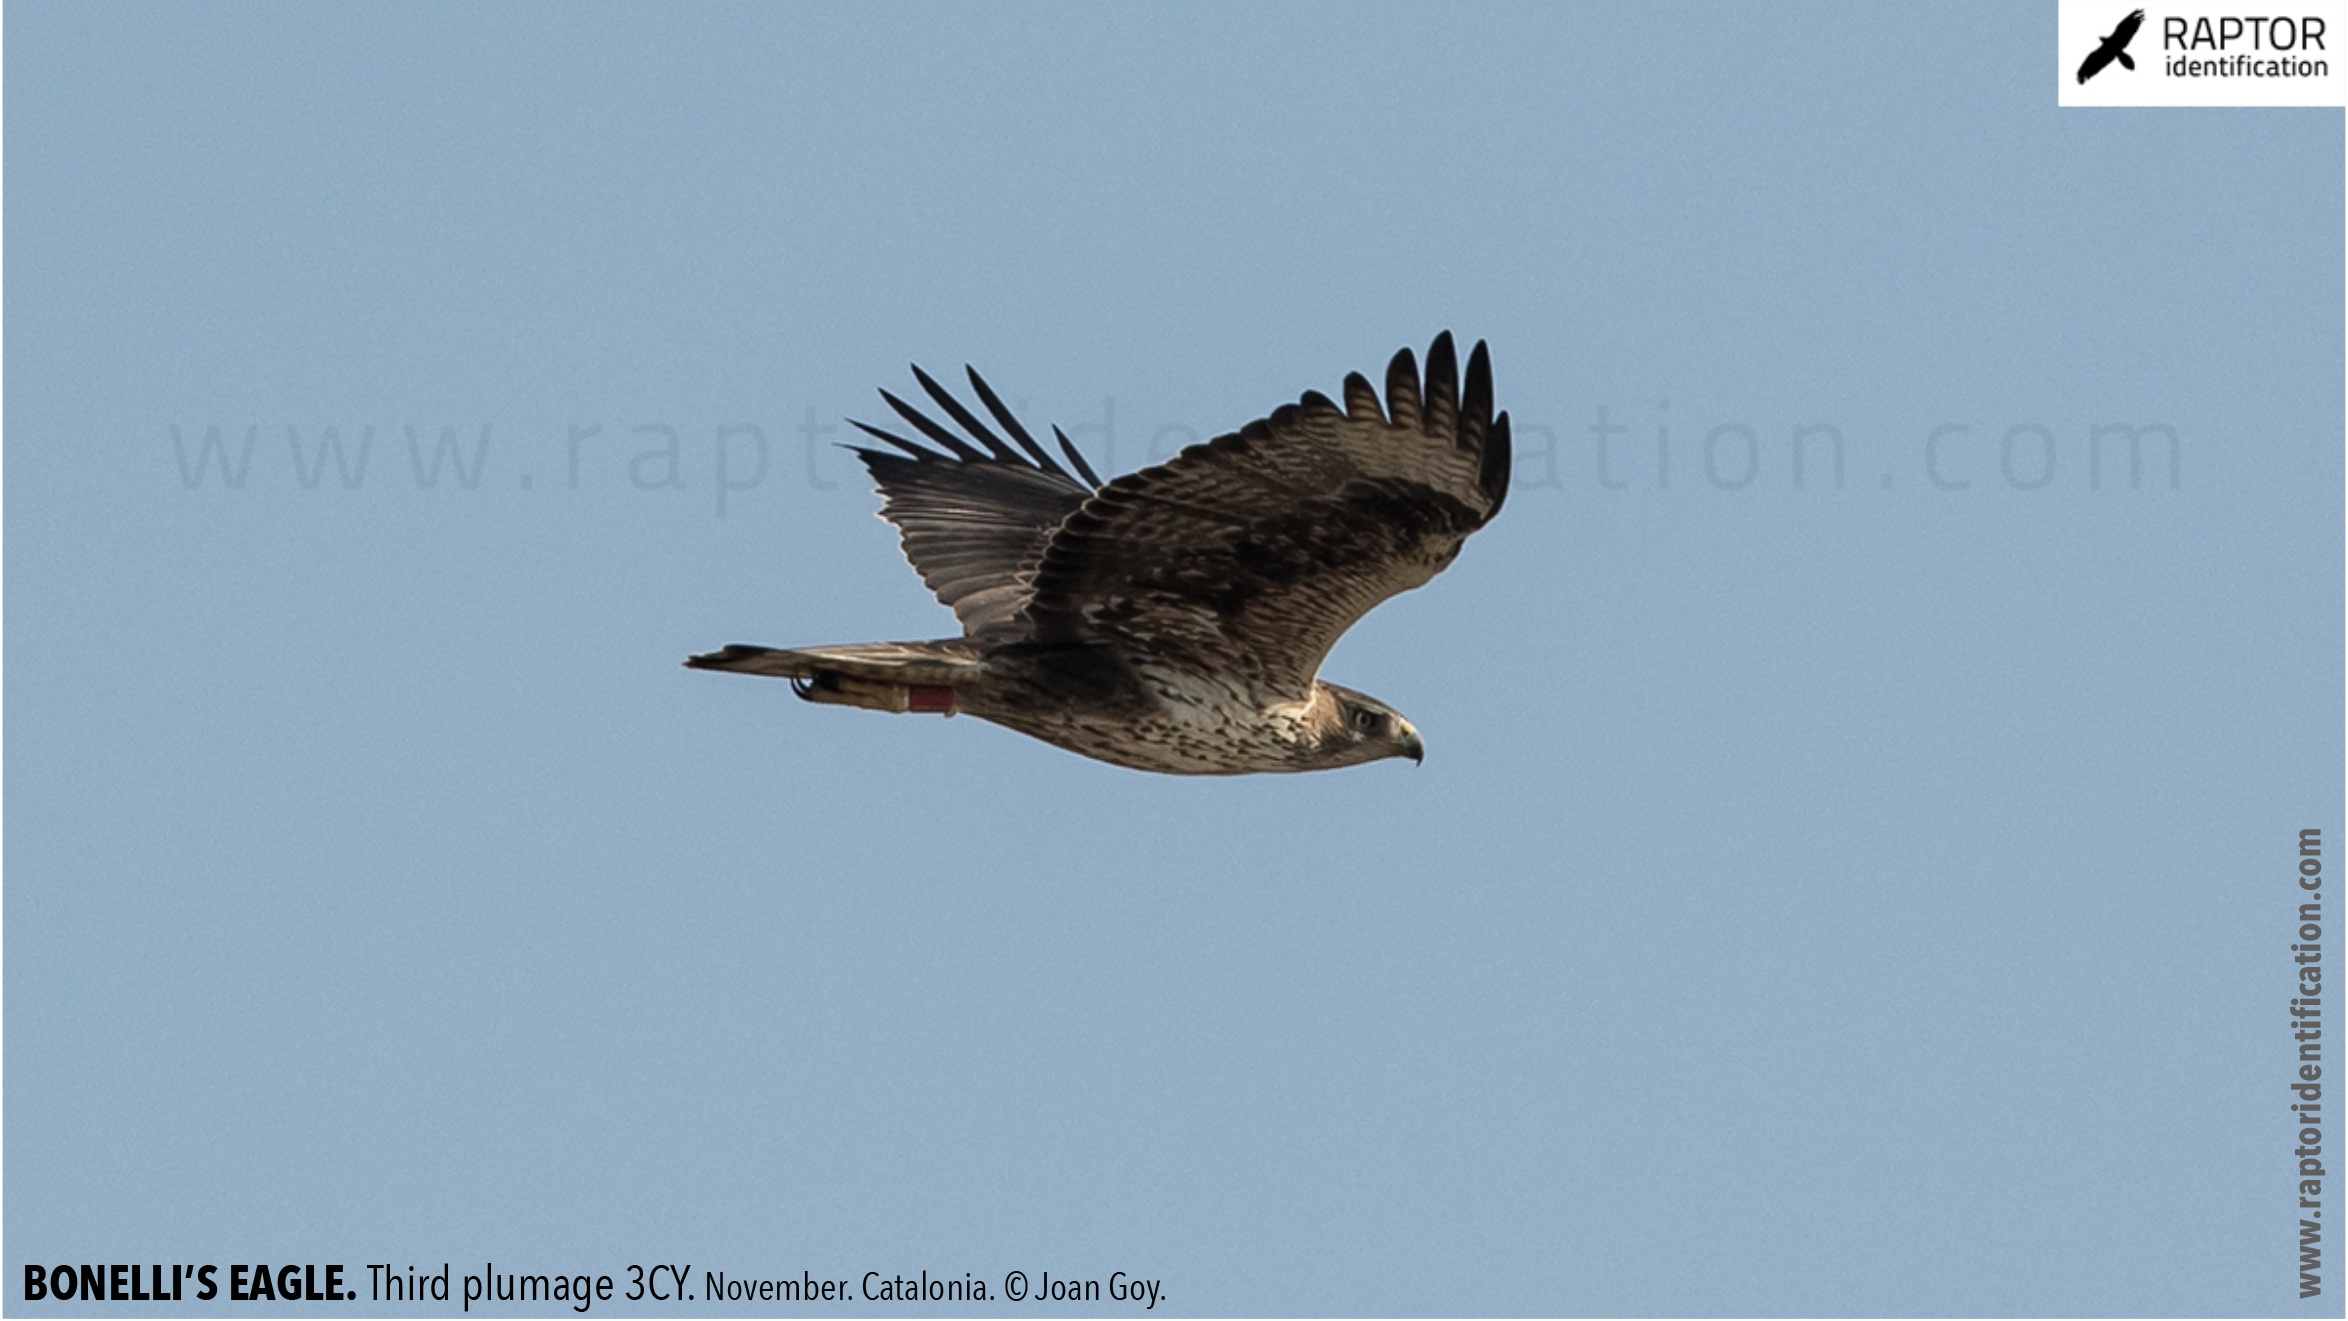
(2209,53)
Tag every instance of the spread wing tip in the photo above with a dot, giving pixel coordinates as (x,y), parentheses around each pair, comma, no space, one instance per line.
(950,448)
(1446,402)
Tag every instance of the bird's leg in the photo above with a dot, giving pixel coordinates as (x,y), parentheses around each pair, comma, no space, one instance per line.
(833,688)
(836,689)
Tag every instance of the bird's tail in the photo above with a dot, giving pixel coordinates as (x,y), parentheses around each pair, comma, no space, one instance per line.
(2126,62)
(879,676)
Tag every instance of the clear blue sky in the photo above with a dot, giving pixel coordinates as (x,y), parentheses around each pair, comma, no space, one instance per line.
(1821,896)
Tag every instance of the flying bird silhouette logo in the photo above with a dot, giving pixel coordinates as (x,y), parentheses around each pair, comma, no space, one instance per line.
(2114,47)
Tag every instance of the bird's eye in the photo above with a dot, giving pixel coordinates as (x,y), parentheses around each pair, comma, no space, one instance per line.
(1365,721)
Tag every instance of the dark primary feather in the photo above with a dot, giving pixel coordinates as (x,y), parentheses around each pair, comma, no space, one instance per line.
(1076,456)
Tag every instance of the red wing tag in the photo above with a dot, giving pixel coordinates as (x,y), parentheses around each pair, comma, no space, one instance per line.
(930,697)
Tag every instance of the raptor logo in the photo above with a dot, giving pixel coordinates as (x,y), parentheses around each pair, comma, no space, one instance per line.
(2114,47)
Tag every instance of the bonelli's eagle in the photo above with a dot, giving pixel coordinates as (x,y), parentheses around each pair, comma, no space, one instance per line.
(1173,619)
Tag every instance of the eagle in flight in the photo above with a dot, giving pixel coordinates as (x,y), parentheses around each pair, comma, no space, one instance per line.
(1174,619)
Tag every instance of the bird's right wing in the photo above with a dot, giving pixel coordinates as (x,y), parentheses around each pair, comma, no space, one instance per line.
(973,521)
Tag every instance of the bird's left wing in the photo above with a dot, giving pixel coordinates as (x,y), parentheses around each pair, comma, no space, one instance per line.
(1255,551)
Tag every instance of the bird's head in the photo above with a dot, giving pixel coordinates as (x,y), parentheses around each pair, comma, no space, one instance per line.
(1355,728)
